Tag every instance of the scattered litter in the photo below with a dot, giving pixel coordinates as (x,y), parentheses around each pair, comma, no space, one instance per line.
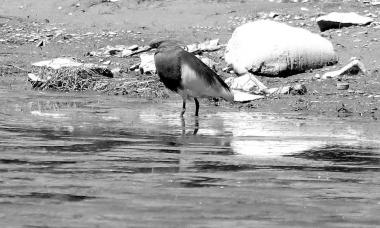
(297,89)
(240,96)
(247,82)
(118,51)
(209,45)
(339,20)
(354,67)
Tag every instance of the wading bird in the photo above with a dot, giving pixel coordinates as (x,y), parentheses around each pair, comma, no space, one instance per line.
(185,74)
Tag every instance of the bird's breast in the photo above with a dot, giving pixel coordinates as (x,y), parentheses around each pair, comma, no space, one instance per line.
(168,69)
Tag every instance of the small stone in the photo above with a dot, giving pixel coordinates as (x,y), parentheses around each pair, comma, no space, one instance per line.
(375,2)
(342,85)
(126,53)
(133,47)
(273,14)
(134,67)
(298,89)
(284,90)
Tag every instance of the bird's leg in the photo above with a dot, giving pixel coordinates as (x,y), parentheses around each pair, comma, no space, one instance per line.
(196,106)
(183,124)
(183,107)
(196,125)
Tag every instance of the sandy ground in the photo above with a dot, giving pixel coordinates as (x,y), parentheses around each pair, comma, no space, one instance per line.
(96,23)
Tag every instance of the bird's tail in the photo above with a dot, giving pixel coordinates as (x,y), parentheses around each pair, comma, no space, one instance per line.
(226,92)
(228,95)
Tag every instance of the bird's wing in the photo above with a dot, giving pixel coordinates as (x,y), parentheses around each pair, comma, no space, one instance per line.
(200,77)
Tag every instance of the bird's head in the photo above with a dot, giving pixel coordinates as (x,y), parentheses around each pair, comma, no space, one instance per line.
(160,44)
(163,43)
(156,43)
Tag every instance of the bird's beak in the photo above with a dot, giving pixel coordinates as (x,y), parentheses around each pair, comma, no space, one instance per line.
(141,50)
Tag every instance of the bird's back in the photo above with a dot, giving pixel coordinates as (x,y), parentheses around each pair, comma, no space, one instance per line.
(200,80)
(184,73)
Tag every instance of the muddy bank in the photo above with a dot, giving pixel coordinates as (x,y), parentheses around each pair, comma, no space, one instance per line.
(22,31)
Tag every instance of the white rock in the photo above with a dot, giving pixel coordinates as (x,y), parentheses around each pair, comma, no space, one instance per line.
(271,48)
(339,20)
(147,63)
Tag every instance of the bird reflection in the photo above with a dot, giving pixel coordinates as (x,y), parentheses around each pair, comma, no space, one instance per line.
(196,125)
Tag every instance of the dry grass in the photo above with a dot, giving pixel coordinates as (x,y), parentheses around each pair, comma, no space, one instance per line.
(67,79)
(85,79)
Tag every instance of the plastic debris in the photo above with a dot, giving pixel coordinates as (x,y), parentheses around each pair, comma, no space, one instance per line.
(209,45)
(240,96)
(247,82)
(58,63)
(354,67)
(339,20)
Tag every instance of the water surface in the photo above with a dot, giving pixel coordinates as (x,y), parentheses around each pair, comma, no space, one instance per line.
(89,160)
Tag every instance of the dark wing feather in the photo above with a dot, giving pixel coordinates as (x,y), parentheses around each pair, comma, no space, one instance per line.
(202,70)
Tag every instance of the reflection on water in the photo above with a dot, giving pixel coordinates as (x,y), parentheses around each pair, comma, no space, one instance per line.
(85,160)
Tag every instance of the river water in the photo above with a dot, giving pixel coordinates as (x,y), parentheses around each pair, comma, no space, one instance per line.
(89,160)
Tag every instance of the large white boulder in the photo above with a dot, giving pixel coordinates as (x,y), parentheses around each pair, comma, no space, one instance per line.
(272,48)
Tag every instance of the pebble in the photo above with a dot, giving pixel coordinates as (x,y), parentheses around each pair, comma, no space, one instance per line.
(342,85)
